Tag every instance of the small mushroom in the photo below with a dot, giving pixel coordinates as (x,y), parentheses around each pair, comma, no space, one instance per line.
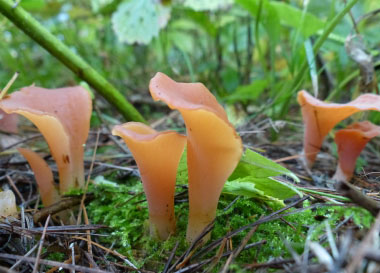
(44,177)
(63,117)
(213,146)
(351,141)
(7,203)
(320,117)
(157,155)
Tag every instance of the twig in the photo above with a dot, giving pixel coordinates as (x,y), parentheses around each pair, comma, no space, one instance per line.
(15,188)
(40,245)
(88,178)
(9,84)
(52,263)
(358,198)
(166,268)
(113,252)
(235,253)
(59,206)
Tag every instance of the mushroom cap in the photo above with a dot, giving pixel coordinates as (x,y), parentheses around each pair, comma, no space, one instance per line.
(63,117)
(44,177)
(8,122)
(351,141)
(157,155)
(320,117)
(213,146)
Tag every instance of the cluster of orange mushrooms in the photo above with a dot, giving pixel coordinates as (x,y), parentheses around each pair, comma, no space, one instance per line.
(213,151)
(213,146)
(321,117)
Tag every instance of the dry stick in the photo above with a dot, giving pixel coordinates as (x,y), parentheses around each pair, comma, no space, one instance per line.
(218,255)
(68,261)
(40,247)
(193,267)
(114,252)
(9,84)
(15,188)
(88,234)
(235,253)
(358,198)
(362,248)
(194,244)
(88,177)
(270,217)
(26,255)
(170,258)
(52,263)
(57,207)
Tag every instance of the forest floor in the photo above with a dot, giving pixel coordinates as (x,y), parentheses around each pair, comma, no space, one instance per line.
(313,233)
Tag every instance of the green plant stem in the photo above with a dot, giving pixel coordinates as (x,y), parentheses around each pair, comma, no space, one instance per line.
(31,27)
(337,197)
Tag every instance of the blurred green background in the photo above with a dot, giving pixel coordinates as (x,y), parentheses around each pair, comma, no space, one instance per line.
(247,52)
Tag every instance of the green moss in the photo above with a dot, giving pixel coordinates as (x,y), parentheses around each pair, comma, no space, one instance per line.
(124,209)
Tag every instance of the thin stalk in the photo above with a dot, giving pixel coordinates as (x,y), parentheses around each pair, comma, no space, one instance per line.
(298,80)
(9,84)
(31,27)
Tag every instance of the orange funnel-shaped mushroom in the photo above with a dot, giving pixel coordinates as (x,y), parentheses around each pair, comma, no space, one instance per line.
(63,117)
(213,147)
(44,177)
(351,141)
(320,117)
(157,155)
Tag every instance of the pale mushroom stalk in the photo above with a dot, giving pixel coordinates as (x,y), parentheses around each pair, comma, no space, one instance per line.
(63,117)
(44,177)
(157,155)
(320,117)
(351,141)
(213,147)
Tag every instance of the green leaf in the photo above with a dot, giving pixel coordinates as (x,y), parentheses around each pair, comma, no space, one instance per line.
(138,21)
(306,22)
(255,165)
(249,190)
(203,5)
(263,10)
(245,93)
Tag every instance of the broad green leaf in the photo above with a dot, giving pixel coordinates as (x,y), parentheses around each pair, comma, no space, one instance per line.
(245,93)
(138,21)
(203,20)
(264,11)
(32,5)
(249,190)
(255,165)
(307,23)
(272,187)
(203,5)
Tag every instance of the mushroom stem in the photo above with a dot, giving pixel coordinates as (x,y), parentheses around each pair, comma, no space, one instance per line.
(320,117)
(44,177)
(63,117)
(351,141)
(157,155)
(213,147)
